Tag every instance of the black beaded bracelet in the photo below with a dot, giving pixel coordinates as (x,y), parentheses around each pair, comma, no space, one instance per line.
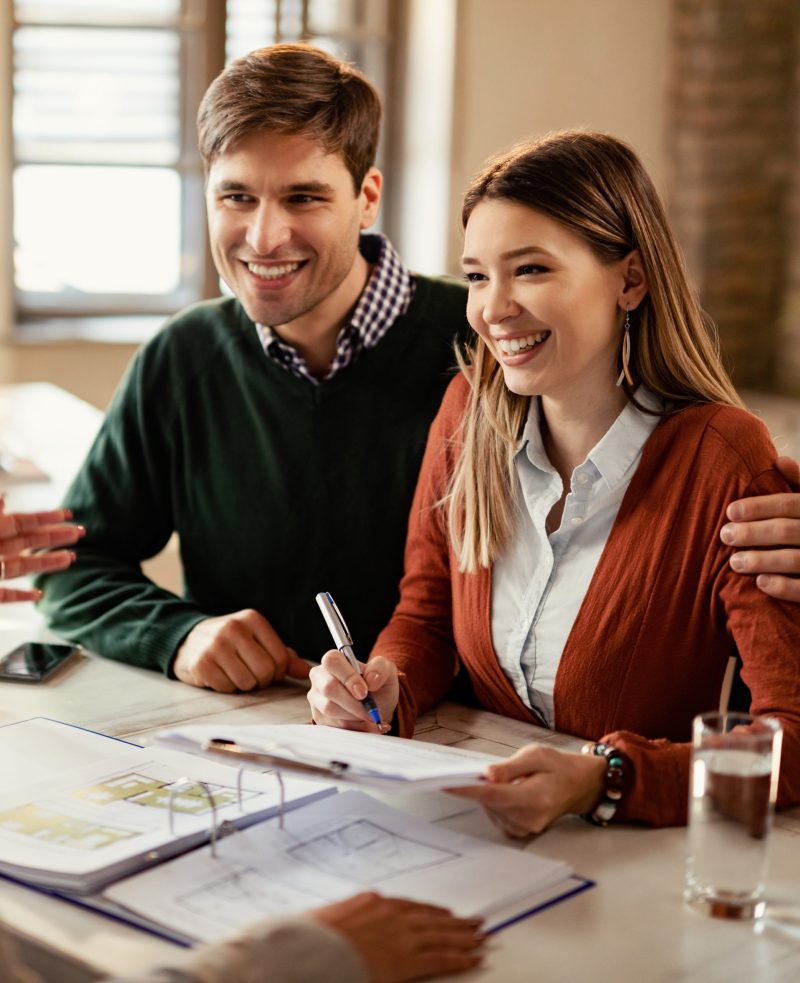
(617,781)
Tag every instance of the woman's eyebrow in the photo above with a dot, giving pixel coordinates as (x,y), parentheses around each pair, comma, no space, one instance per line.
(510,254)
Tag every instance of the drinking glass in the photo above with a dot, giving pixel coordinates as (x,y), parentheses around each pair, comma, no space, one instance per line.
(733,786)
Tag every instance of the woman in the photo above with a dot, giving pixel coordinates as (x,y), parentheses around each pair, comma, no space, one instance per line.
(579,468)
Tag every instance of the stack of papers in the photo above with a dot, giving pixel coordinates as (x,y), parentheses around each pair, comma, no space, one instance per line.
(391,764)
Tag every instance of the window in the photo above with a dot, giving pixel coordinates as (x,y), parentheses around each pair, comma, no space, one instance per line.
(107,183)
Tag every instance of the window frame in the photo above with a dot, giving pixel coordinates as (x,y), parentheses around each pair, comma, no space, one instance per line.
(201,27)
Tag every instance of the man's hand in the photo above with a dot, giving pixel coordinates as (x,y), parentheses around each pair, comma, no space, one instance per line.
(401,940)
(768,521)
(239,651)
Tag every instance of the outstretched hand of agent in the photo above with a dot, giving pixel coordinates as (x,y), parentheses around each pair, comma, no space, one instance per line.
(239,651)
(401,940)
(30,543)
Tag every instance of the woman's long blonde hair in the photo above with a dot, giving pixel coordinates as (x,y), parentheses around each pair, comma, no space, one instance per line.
(595,186)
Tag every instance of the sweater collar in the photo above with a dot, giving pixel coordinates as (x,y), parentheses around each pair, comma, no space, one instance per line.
(385,298)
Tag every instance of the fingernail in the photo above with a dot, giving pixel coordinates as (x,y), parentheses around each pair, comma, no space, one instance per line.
(81,530)
(372,678)
(72,556)
(38,594)
(68,514)
(385,728)
(728,534)
(739,562)
(360,689)
(764,581)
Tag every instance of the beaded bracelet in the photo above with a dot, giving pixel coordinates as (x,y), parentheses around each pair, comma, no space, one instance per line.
(617,781)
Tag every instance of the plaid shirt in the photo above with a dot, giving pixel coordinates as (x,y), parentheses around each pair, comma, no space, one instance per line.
(386,297)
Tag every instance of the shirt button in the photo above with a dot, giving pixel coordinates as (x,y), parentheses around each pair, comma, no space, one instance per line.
(576,520)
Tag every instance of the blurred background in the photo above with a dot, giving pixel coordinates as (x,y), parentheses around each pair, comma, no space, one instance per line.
(101,197)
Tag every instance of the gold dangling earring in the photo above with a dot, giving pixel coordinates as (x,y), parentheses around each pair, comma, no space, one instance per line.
(626,352)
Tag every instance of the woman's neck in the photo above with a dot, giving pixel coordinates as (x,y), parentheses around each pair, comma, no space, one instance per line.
(570,431)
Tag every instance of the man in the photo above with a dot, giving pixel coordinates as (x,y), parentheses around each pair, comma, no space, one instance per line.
(768,520)
(280,431)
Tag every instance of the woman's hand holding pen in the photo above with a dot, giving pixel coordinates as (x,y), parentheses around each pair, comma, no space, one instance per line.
(337,691)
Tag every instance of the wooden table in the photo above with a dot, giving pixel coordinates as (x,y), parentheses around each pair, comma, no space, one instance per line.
(631,927)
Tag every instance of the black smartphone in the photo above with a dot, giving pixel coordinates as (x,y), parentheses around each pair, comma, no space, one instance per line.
(33,662)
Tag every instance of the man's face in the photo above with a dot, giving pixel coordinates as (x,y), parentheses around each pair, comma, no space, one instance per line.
(284,223)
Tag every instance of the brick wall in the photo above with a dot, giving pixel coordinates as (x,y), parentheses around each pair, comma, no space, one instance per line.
(787,377)
(733,182)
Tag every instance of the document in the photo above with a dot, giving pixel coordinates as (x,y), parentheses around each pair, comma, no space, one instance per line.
(374,761)
(79,810)
(329,850)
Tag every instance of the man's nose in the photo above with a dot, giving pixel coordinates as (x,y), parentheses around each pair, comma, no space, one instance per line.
(268,230)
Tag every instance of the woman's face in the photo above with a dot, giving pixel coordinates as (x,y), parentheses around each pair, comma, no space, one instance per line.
(542,301)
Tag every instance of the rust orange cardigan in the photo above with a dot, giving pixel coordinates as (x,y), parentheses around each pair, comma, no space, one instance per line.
(663,612)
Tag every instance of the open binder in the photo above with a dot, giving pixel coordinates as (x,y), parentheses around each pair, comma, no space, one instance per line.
(289,849)
(79,810)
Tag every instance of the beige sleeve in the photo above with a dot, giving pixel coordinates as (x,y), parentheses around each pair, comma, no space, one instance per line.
(287,950)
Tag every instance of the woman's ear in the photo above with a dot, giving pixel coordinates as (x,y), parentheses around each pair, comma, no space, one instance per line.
(635,282)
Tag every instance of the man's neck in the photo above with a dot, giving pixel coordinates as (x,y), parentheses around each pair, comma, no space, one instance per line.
(314,334)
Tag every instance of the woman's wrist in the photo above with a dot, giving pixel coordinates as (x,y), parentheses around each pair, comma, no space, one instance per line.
(617,780)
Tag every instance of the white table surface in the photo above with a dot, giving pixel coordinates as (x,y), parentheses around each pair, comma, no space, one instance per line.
(632,926)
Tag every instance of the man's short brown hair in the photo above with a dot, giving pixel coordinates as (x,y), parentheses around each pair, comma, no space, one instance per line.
(293,89)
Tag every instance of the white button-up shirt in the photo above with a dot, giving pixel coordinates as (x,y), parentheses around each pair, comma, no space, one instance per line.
(539,582)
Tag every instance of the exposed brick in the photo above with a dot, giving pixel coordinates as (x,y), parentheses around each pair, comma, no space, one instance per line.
(734,186)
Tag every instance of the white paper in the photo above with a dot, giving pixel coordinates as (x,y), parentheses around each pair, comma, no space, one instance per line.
(373,760)
(329,850)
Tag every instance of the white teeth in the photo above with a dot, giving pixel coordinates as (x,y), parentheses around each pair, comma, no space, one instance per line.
(513,346)
(272,272)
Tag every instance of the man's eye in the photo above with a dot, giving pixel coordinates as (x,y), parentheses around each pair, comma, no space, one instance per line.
(237,199)
(303,199)
(474,277)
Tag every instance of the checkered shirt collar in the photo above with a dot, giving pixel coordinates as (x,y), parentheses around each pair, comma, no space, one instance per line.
(385,298)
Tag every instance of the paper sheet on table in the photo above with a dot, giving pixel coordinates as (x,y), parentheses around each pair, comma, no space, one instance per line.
(329,850)
(371,760)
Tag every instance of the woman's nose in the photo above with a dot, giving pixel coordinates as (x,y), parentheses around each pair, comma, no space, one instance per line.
(499,304)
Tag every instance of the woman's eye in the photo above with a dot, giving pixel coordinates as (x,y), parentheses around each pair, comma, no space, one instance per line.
(474,277)
(531,268)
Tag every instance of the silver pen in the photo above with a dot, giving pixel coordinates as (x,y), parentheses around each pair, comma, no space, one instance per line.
(344,643)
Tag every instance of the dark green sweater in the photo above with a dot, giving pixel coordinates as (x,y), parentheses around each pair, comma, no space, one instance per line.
(277,488)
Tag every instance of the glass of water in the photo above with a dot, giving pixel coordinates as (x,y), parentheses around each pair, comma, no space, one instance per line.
(733,786)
